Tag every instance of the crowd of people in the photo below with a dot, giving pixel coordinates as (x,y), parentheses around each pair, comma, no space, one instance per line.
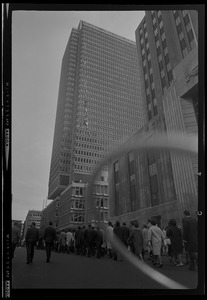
(148,243)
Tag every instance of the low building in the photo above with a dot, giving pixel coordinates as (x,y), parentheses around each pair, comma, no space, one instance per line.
(50,213)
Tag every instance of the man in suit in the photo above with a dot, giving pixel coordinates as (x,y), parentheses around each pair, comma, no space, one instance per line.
(32,236)
(190,236)
(49,237)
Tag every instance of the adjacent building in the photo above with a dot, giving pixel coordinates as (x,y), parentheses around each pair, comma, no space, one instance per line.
(50,214)
(162,184)
(99,106)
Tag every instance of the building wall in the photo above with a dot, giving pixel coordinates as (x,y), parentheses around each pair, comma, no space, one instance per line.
(148,166)
(180,116)
(168,53)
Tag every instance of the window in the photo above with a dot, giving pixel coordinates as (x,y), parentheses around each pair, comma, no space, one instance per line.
(164,43)
(186,19)
(154,190)
(190,35)
(170,75)
(163,82)
(133,194)
(183,44)
(116,172)
(131,163)
(179,28)
(150,114)
(158,51)
(151,157)
(155,110)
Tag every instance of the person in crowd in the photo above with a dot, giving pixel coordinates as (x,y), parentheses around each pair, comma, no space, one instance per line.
(125,234)
(49,237)
(78,240)
(83,241)
(89,239)
(130,243)
(190,238)
(69,237)
(164,248)
(15,237)
(62,241)
(98,241)
(176,239)
(57,242)
(109,237)
(32,236)
(156,239)
(118,234)
(146,247)
(137,240)
(93,241)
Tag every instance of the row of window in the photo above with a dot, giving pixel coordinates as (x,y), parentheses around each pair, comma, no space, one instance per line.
(185,31)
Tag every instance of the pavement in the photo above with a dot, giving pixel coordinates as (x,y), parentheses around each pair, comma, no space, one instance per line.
(72,272)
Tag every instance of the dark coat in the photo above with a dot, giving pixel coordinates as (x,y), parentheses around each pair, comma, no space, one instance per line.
(118,232)
(32,235)
(50,235)
(89,236)
(190,233)
(78,238)
(99,237)
(175,235)
(125,234)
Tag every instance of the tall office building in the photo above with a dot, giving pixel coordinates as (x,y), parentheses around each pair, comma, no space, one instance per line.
(99,106)
(162,184)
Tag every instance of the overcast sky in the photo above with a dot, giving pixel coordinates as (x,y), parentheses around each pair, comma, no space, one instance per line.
(39,39)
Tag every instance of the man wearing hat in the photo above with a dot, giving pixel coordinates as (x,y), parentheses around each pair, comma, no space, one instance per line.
(32,236)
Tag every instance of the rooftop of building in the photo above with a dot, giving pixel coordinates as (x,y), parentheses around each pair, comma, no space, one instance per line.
(105,31)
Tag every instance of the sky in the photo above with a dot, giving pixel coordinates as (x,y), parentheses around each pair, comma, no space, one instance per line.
(39,39)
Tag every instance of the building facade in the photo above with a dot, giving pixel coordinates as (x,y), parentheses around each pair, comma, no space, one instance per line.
(99,106)
(168,52)
(32,216)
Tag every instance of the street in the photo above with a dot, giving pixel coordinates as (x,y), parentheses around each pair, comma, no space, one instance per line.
(69,271)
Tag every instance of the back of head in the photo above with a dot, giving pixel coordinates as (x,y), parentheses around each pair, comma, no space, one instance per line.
(152,221)
(136,224)
(33,224)
(50,223)
(117,223)
(124,223)
(172,222)
(186,213)
(109,223)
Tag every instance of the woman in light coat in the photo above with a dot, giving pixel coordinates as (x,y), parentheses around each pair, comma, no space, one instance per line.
(156,240)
